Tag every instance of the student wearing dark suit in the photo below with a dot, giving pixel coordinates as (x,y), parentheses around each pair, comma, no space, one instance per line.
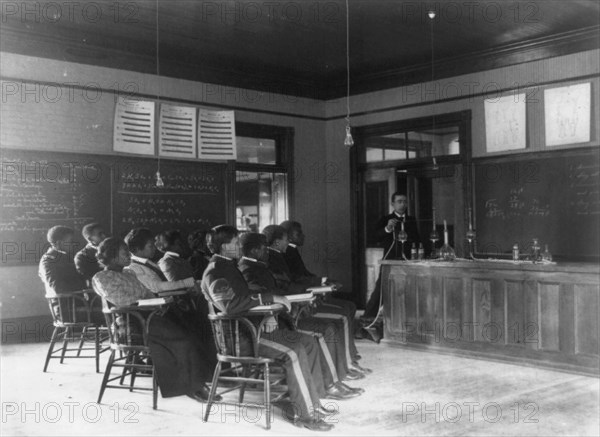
(59,275)
(174,263)
(299,273)
(199,258)
(387,229)
(225,287)
(259,278)
(85,260)
(277,241)
(56,268)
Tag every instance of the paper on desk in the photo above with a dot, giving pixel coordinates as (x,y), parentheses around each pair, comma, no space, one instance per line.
(260,308)
(320,290)
(300,297)
(154,301)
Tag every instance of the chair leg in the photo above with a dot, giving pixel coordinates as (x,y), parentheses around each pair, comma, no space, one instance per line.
(51,347)
(245,373)
(267,396)
(97,343)
(125,367)
(213,390)
(154,389)
(83,333)
(106,374)
(65,343)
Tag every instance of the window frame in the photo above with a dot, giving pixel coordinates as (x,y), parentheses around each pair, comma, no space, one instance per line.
(284,156)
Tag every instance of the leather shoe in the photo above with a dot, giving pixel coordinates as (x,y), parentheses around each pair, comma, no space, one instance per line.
(203,394)
(338,393)
(352,389)
(322,411)
(361,369)
(353,375)
(313,424)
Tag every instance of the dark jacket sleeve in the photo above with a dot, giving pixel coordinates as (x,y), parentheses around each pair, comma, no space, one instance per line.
(60,275)
(231,296)
(380,228)
(86,265)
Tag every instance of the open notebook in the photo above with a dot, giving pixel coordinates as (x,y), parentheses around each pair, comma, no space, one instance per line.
(310,294)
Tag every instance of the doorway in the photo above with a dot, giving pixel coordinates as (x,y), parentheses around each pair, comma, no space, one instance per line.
(425,159)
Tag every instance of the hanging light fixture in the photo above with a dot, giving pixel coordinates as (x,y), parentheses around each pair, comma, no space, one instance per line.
(159,181)
(431,15)
(348,141)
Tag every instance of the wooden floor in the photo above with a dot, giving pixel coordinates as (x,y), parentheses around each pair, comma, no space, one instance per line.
(411,392)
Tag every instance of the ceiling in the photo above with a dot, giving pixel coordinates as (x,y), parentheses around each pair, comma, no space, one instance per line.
(298,47)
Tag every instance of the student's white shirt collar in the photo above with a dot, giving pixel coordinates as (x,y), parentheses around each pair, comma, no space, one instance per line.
(173,254)
(278,251)
(224,257)
(250,259)
(292,245)
(399,215)
(142,260)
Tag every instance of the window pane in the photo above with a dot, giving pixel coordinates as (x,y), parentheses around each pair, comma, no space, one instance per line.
(261,200)
(374,155)
(256,150)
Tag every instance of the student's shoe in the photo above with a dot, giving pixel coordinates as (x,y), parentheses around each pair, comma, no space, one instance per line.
(358,367)
(313,424)
(347,387)
(353,375)
(322,411)
(338,393)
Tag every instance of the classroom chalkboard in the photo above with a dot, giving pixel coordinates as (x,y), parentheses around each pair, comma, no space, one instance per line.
(193,197)
(554,196)
(39,190)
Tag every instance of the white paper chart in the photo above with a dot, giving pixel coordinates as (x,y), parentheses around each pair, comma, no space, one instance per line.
(177,136)
(567,114)
(505,119)
(216,135)
(134,127)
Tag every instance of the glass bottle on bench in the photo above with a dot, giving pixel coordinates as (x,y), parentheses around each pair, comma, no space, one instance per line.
(446,251)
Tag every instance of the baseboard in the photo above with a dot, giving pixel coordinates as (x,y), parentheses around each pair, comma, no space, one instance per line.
(37,329)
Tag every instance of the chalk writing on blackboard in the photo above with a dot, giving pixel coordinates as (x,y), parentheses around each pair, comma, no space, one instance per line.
(584,180)
(517,204)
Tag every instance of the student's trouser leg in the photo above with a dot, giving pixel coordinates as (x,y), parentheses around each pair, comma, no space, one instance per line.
(333,328)
(328,362)
(302,369)
(335,307)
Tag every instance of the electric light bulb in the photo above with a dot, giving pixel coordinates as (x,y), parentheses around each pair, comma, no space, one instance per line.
(348,141)
(159,181)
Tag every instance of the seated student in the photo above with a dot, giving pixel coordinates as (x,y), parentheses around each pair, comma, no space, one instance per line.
(59,275)
(85,260)
(300,274)
(259,278)
(226,289)
(199,258)
(56,268)
(277,241)
(141,244)
(179,358)
(174,263)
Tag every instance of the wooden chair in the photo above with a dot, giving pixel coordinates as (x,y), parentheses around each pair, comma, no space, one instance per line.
(128,331)
(72,320)
(231,333)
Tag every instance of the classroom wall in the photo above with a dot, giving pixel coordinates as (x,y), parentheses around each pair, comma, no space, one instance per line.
(467,92)
(61,106)
(35,118)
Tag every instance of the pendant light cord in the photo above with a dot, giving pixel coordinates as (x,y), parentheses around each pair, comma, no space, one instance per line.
(157,76)
(347,63)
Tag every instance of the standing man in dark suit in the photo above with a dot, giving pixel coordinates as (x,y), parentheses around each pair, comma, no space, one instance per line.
(387,229)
